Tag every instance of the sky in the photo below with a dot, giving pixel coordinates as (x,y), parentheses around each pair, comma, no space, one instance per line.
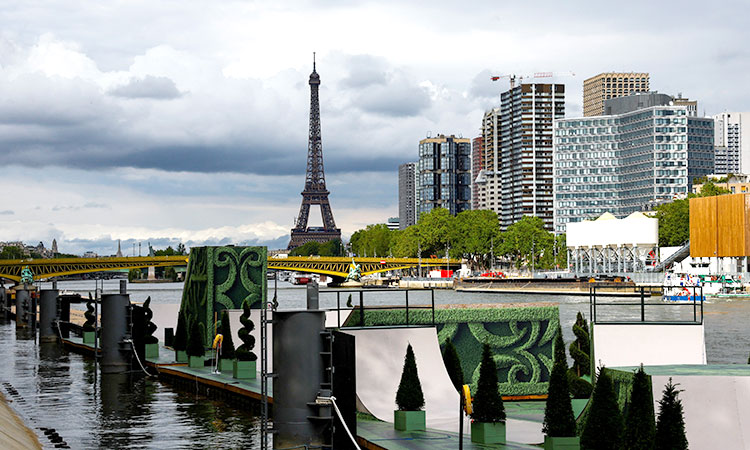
(187,121)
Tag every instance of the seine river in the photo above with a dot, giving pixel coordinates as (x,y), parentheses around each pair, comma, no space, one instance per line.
(55,389)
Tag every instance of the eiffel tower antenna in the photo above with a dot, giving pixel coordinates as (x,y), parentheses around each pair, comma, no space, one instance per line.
(315,192)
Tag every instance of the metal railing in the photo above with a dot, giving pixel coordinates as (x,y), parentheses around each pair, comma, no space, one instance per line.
(361,304)
(695,301)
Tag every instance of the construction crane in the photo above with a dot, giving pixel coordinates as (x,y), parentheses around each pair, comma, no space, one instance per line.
(512,78)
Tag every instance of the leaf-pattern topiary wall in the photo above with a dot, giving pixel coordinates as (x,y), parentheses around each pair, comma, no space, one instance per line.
(520,339)
(221,278)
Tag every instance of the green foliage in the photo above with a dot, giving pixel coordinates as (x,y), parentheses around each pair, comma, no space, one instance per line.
(90,316)
(62,255)
(604,425)
(134,274)
(244,352)
(674,223)
(195,339)
(709,189)
(149,326)
(453,365)
(170,273)
(333,247)
(670,425)
(558,413)
(473,235)
(434,230)
(640,429)
(227,344)
(580,350)
(374,240)
(180,334)
(488,404)
(11,252)
(409,395)
(528,244)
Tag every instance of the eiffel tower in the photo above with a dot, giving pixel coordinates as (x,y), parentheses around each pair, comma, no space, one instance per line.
(315,192)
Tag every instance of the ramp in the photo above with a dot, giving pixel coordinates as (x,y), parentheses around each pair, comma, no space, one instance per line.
(380,359)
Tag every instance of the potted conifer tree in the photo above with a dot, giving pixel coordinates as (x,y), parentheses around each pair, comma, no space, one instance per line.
(196,349)
(604,425)
(409,397)
(453,365)
(245,361)
(226,361)
(559,423)
(89,331)
(151,341)
(488,415)
(670,425)
(640,429)
(180,339)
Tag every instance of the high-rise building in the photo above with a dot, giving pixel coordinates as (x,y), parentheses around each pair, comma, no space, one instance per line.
(732,146)
(516,176)
(609,85)
(476,167)
(630,161)
(444,174)
(407,194)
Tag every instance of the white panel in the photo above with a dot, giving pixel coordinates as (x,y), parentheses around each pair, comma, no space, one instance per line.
(648,344)
(632,231)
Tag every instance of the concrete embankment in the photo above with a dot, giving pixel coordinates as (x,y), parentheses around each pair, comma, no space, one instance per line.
(14,434)
(552,286)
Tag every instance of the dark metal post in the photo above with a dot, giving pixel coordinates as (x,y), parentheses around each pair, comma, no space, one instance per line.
(47,315)
(313,300)
(5,303)
(25,311)
(695,307)
(594,302)
(361,309)
(123,286)
(338,307)
(407,308)
(115,331)
(461,420)
(432,294)
(643,306)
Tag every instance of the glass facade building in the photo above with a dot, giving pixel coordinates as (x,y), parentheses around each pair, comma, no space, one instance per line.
(628,162)
(444,174)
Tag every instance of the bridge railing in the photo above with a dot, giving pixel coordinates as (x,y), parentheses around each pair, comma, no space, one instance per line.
(361,305)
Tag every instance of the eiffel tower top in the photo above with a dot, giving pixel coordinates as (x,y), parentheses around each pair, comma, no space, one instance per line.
(314,77)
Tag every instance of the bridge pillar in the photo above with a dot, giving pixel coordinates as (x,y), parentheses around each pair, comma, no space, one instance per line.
(25,308)
(115,330)
(47,315)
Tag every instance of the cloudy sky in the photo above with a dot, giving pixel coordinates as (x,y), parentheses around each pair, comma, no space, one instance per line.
(186,121)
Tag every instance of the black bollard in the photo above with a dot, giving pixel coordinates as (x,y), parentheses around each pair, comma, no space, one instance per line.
(4,304)
(47,315)
(115,332)
(123,286)
(313,301)
(25,308)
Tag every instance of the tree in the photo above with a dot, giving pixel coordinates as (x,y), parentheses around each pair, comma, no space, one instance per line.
(604,426)
(709,189)
(558,413)
(306,249)
(134,274)
(640,429)
(670,425)
(196,339)
(409,395)
(434,231)
(245,351)
(180,334)
(374,240)
(181,249)
(674,223)
(405,243)
(473,234)
(227,344)
(11,252)
(528,243)
(170,273)
(580,350)
(453,365)
(488,404)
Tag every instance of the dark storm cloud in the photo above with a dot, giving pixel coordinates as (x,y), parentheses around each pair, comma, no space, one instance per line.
(158,88)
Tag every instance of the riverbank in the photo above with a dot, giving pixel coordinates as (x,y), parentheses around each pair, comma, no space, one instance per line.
(14,434)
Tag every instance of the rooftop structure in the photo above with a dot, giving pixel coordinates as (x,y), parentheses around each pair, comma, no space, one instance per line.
(610,85)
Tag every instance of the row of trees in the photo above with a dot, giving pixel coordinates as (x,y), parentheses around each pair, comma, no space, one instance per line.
(474,235)
(333,247)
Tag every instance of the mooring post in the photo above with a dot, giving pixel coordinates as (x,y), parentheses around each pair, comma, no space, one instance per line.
(25,308)
(115,331)
(313,301)
(123,286)
(47,315)
(5,303)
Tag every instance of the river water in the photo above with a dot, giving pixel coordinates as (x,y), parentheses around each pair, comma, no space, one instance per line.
(52,388)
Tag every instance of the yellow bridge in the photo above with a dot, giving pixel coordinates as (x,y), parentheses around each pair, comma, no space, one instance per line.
(333,266)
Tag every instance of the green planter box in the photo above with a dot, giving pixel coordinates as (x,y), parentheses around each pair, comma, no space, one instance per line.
(226,365)
(243,370)
(562,443)
(196,362)
(488,432)
(409,420)
(89,337)
(181,356)
(152,351)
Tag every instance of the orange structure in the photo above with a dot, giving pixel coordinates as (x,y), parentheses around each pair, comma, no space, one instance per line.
(720,226)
